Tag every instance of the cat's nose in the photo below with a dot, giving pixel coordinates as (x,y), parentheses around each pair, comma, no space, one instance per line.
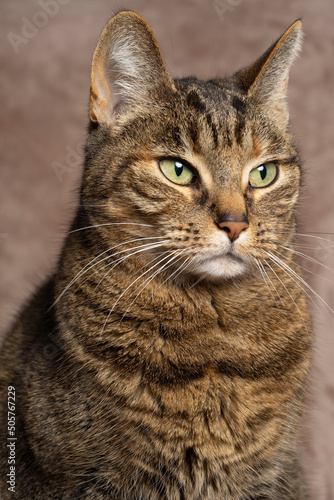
(233,228)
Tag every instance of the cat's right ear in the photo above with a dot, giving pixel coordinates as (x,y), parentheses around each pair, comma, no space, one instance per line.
(128,71)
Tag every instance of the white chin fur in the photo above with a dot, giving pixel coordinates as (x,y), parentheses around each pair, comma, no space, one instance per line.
(223,266)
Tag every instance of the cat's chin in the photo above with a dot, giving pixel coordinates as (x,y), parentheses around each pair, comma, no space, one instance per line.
(222,266)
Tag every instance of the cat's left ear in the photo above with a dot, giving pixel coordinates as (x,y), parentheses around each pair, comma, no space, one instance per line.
(266,80)
(128,71)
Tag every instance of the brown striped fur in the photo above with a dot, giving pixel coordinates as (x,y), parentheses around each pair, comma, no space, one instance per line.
(187,383)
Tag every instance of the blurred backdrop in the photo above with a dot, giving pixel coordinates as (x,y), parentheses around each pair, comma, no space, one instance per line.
(46,48)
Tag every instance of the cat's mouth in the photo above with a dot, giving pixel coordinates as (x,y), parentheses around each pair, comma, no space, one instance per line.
(222,265)
(233,256)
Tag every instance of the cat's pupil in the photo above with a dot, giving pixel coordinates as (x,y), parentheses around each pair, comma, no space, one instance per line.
(263,171)
(178,168)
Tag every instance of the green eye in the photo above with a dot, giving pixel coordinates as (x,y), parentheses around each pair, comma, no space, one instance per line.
(263,175)
(176,171)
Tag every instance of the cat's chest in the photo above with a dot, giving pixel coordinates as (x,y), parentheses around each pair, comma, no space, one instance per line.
(213,411)
(208,395)
(200,434)
(188,396)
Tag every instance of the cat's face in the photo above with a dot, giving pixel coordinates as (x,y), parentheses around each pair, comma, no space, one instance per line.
(204,170)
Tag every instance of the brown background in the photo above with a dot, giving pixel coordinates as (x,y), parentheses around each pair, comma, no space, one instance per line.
(44,90)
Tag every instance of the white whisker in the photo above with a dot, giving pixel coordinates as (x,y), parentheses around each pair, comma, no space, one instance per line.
(150,278)
(291,276)
(118,261)
(287,291)
(307,257)
(306,235)
(124,291)
(184,266)
(84,271)
(199,279)
(305,268)
(110,224)
(119,245)
(265,275)
(293,273)
(207,273)
(176,272)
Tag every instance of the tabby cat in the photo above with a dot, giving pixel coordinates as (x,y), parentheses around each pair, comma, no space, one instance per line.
(166,358)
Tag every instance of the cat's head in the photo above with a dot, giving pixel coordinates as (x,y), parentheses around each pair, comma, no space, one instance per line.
(205,170)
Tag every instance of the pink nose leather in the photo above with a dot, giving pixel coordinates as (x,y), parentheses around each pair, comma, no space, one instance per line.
(233,229)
